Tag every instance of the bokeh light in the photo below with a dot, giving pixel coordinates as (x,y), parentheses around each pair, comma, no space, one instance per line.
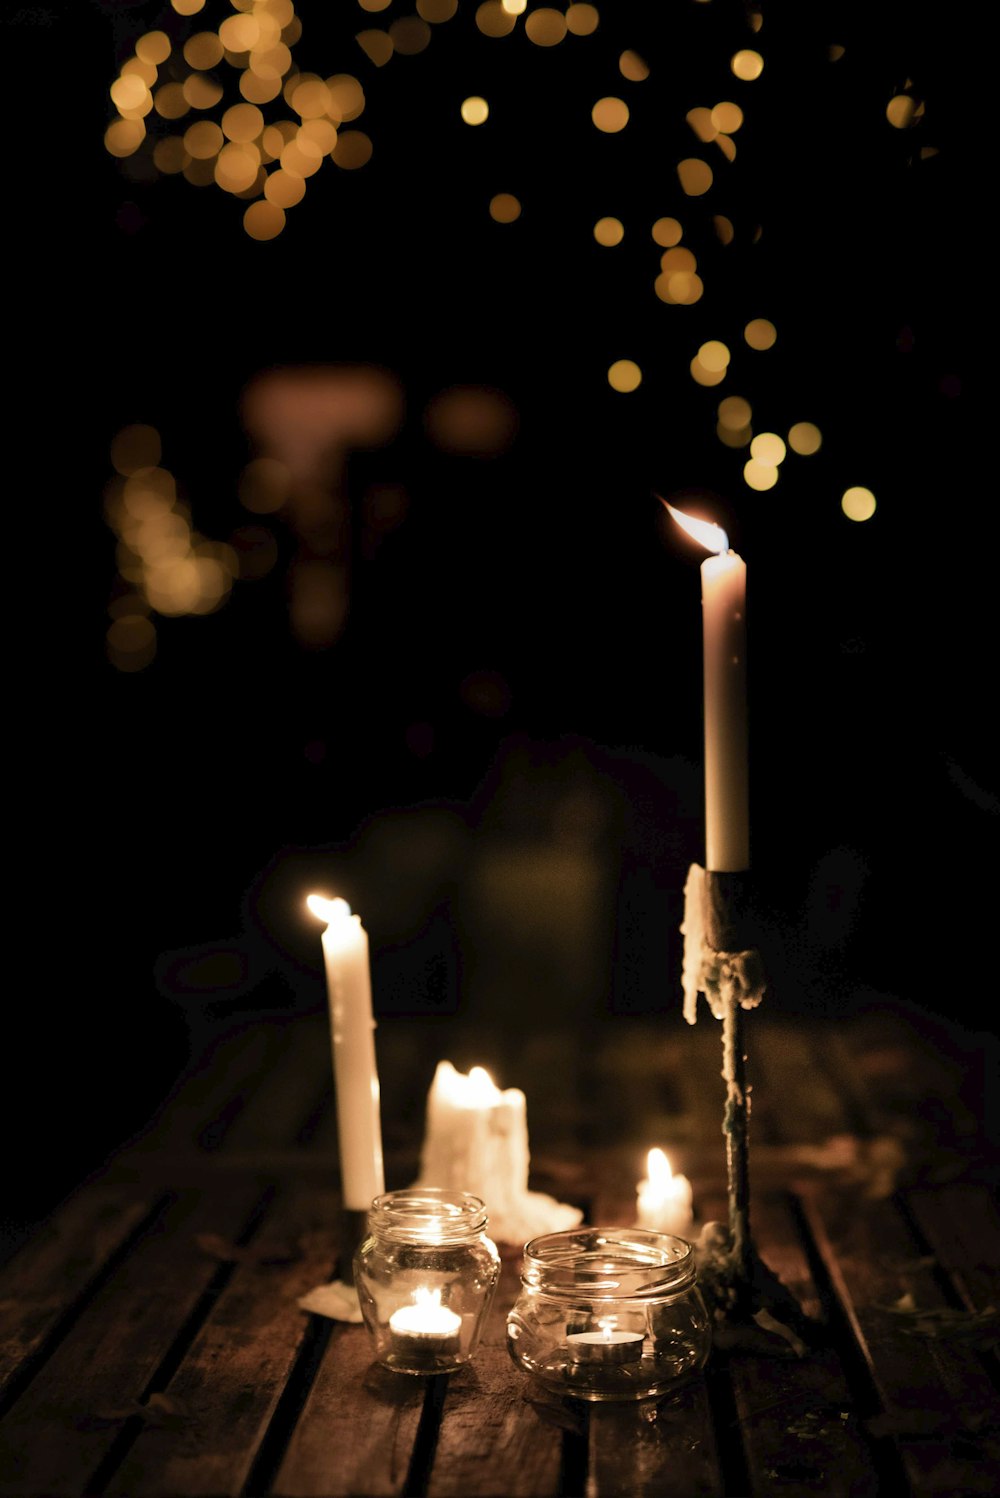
(695,176)
(610,115)
(760,334)
(504,208)
(545,27)
(624,375)
(633,67)
(758,475)
(582,19)
(804,438)
(858,503)
(768,448)
(609,231)
(747,65)
(475,110)
(667,232)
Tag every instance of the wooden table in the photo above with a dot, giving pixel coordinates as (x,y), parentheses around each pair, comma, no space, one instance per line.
(153,1343)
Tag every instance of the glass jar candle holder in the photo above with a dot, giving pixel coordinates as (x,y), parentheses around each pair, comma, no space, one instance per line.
(609,1313)
(425,1275)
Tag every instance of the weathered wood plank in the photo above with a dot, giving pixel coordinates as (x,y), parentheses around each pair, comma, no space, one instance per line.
(491,1430)
(208,1096)
(61,1428)
(665,1446)
(962,1225)
(48,1275)
(660,1447)
(799,1419)
(939,1406)
(230,1382)
(356,1433)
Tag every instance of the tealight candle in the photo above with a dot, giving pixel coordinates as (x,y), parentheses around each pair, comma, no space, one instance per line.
(664,1200)
(605,1346)
(425,1329)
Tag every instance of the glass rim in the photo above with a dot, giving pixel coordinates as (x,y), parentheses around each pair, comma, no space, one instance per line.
(610,1263)
(428,1213)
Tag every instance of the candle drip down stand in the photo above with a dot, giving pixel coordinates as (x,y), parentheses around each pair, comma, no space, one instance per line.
(751,1308)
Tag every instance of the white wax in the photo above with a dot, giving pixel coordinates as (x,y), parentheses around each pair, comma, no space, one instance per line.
(348,980)
(476,1139)
(727,816)
(426,1319)
(663,1199)
(605,1347)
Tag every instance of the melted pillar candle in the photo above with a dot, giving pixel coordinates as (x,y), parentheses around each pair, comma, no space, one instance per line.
(664,1200)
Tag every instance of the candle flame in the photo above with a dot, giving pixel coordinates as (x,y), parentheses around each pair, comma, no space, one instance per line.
(428,1298)
(328,910)
(705,532)
(658,1169)
(475,1090)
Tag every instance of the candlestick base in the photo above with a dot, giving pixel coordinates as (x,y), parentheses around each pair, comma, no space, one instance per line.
(353,1227)
(751,1309)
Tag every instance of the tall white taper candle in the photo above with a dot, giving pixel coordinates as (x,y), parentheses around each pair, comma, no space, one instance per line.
(724,640)
(348,981)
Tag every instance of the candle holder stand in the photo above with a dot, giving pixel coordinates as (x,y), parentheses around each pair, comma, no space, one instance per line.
(352,1228)
(748,1302)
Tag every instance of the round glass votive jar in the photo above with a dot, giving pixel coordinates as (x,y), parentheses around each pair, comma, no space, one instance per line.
(609,1313)
(425,1275)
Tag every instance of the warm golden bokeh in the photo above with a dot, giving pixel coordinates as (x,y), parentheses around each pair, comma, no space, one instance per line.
(747,65)
(805,438)
(609,231)
(667,232)
(714,355)
(858,503)
(504,208)
(353,149)
(264,220)
(695,176)
(135,447)
(768,448)
(633,67)
(624,375)
(734,413)
(610,115)
(758,475)
(410,35)
(376,45)
(727,117)
(545,27)
(493,20)
(702,374)
(475,110)
(582,19)
(760,334)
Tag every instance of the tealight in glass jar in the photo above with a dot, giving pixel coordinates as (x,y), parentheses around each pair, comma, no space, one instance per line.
(609,1313)
(425,1276)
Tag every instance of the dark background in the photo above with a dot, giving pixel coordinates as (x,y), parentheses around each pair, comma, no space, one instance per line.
(520,669)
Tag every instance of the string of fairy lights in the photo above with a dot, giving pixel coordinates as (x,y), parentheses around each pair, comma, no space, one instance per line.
(228,107)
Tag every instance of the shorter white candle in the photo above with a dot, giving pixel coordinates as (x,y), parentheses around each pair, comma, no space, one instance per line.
(664,1200)
(476,1139)
(425,1328)
(605,1346)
